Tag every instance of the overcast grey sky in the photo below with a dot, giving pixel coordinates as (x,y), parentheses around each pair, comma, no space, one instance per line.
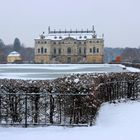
(119,20)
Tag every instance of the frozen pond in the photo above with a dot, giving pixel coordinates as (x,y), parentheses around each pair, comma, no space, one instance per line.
(52,71)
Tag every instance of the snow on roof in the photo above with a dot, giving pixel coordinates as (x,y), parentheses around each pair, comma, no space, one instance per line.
(77,36)
(14,53)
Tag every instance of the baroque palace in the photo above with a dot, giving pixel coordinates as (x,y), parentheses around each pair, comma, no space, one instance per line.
(69,47)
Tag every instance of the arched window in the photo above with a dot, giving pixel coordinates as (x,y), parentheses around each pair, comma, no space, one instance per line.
(94,50)
(42,50)
(69,50)
(38,50)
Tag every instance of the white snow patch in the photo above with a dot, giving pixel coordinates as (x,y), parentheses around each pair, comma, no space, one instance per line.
(76,80)
(115,122)
(131,69)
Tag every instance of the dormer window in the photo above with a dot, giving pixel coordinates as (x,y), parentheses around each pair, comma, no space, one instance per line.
(55,37)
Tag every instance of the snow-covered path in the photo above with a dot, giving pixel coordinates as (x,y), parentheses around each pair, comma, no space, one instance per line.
(115,122)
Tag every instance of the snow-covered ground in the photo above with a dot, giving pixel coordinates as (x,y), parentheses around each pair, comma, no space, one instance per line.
(115,122)
(131,69)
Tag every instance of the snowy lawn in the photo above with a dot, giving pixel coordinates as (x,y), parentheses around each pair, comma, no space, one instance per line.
(115,122)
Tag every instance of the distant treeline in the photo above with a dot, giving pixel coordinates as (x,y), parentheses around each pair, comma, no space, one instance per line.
(27,53)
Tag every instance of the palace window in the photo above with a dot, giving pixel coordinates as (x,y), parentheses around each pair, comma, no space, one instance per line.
(59,50)
(94,50)
(38,42)
(90,50)
(45,50)
(69,50)
(54,51)
(41,50)
(69,60)
(38,50)
(84,50)
(54,42)
(80,51)
(97,50)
